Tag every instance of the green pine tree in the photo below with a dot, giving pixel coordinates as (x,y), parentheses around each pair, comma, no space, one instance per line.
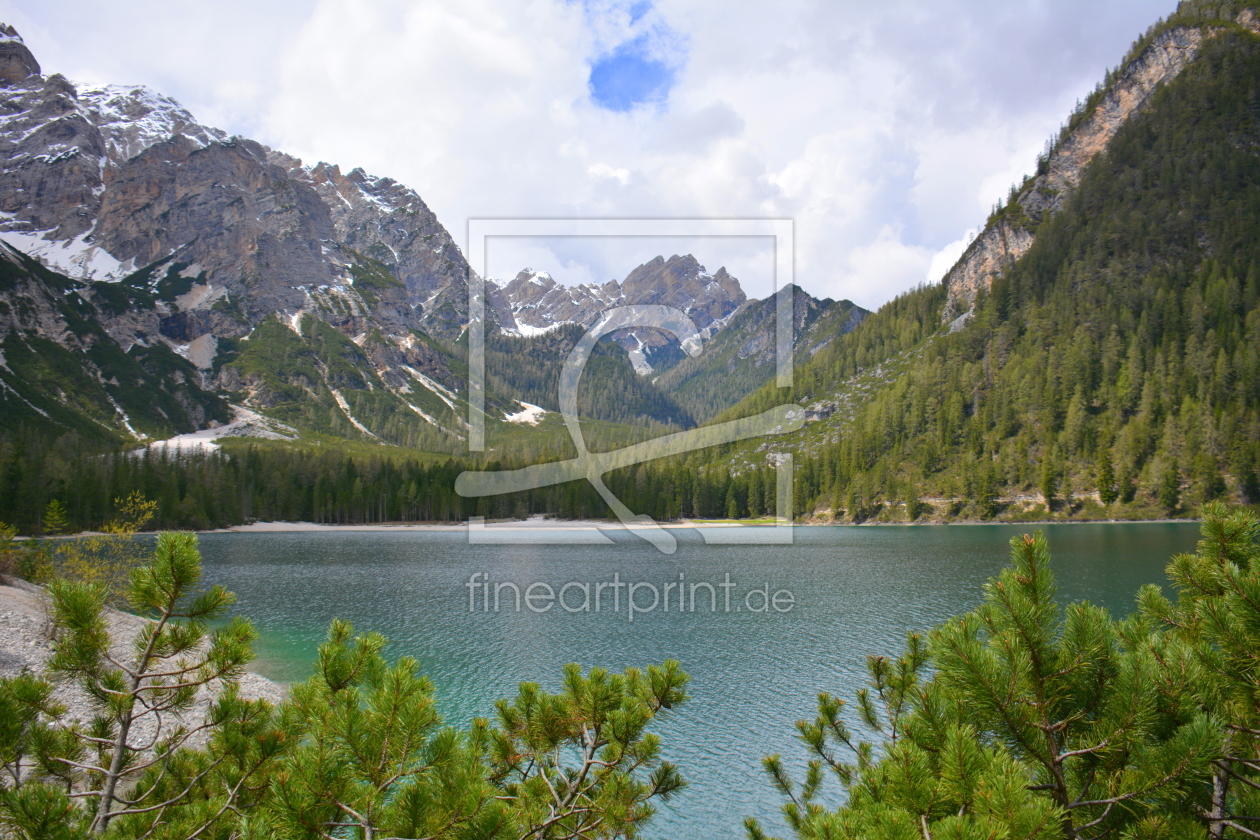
(172,658)
(1036,721)
(1213,634)
(1049,480)
(55,519)
(1107,491)
(1170,488)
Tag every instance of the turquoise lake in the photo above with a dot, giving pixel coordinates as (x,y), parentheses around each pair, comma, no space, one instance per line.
(843,593)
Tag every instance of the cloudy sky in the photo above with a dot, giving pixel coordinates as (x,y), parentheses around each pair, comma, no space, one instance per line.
(885,130)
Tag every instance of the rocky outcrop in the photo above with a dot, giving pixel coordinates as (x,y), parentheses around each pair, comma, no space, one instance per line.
(50,153)
(382,219)
(16,61)
(131,119)
(1007,238)
(1165,57)
(266,228)
(991,253)
(683,283)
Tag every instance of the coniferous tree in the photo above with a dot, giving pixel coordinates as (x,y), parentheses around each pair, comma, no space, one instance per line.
(172,658)
(1214,635)
(1107,492)
(369,755)
(1049,480)
(1073,694)
(931,778)
(1036,721)
(55,519)
(1170,488)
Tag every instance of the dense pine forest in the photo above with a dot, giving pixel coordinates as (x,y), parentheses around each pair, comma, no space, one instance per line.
(268,481)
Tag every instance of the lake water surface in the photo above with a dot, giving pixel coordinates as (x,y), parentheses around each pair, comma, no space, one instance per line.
(844,593)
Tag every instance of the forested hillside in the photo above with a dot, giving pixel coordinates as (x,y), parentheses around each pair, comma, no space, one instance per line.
(1118,359)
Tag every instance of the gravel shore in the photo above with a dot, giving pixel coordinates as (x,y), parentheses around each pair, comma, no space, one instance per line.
(25,622)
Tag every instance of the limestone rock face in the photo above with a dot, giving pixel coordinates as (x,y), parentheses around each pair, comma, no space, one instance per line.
(683,283)
(131,119)
(992,252)
(50,152)
(1004,242)
(225,208)
(382,219)
(16,61)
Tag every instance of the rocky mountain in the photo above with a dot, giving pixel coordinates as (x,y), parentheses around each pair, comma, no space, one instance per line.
(70,356)
(538,303)
(1158,58)
(743,355)
(328,301)
(739,333)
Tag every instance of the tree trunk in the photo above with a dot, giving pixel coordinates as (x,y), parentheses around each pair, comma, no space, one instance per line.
(1217,816)
(103,807)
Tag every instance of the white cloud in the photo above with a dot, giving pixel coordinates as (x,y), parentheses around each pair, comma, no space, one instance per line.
(884,267)
(944,259)
(885,130)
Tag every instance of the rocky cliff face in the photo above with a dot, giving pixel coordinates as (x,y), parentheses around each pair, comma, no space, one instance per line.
(1008,237)
(220,235)
(16,61)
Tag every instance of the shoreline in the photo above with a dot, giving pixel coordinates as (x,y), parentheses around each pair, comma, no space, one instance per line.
(286,527)
(595,525)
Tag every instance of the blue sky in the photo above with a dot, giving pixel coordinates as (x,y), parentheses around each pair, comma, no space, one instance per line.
(885,130)
(630,77)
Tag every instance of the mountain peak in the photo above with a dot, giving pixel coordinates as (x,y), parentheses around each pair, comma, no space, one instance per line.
(16,61)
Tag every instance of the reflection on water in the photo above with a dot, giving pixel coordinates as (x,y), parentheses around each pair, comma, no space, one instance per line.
(756,667)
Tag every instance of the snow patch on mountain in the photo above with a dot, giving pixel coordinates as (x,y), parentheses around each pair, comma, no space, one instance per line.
(443,393)
(132,118)
(526,331)
(245,423)
(75,257)
(529,414)
(345,409)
